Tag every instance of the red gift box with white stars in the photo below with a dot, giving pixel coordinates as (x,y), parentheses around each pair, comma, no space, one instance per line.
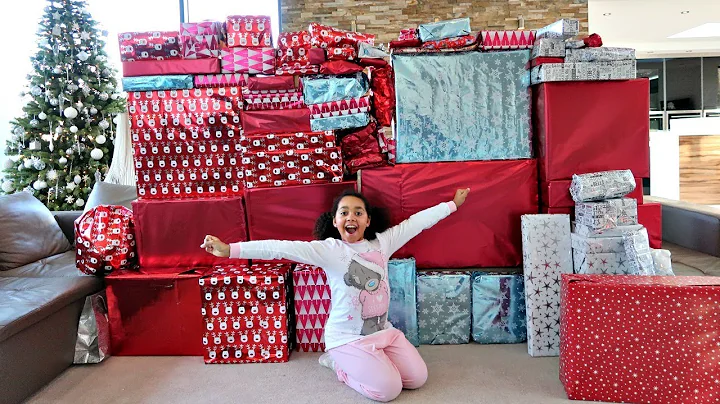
(640,339)
(312,307)
(246,314)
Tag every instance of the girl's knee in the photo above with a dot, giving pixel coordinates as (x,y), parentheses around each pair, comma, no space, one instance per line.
(386,390)
(417,377)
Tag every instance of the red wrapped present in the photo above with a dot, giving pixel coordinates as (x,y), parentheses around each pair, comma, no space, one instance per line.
(405,43)
(281,121)
(200,46)
(249,31)
(312,307)
(269,210)
(174,66)
(159,45)
(105,240)
(342,107)
(650,216)
(592,126)
(302,71)
(294,39)
(220,80)
(260,102)
(292,167)
(462,42)
(544,59)
(504,40)
(247,60)
(267,85)
(640,339)
(324,36)
(287,141)
(382,83)
(409,33)
(245,314)
(387,143)
(292,58)
(155,312)
(557,193)
(361,149)
(316,56)
(192,183)
(509,189)
(340,53)
(169,233)
(340,67)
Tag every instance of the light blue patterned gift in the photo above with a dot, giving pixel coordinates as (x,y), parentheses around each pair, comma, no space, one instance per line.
(462,106)
(498,302)
(340,122)
(436,31)
(403,298)
(444,301)
(318,91)
(148,83)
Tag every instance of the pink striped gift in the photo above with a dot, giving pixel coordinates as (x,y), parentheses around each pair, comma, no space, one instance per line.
(342,107)
(248,60)
(259,102)
(312,307)
(201,28)
(200,46)
(503,40)
(221,80)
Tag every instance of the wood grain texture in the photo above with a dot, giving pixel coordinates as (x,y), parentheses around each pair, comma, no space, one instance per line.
(700,169)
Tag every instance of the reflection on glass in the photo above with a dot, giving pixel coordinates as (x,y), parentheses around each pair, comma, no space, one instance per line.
(711,83)
(684,89)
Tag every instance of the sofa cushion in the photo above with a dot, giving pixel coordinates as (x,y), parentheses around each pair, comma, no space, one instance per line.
(104,193)
(54,266)
(28,231)
(690,262)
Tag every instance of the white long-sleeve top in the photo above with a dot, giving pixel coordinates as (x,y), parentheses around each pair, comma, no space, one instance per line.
(356,272)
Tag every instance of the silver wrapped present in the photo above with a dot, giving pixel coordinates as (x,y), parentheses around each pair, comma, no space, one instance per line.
(436,31)
(584,71)
(637,248)
(367,51)
(609,263)
(599,54)
(548,47)
(587,231)
(149,83)
(574,44)
(607,214)
(662,262)
(93,336)
(597,245)
(601,185)
(563,29)
(340,122)
(321,90)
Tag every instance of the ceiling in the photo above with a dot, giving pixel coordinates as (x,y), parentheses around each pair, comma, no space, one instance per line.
(646,25)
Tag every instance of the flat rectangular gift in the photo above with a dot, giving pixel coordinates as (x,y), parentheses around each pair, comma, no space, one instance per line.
(602,54)
(292,167)
(403,311)
(548,47)
(155,311)
(598,186)
(249,31)
(561,29)
(584,71)
(159,45)
(220,80)
(312,307)
(148,83)
(342,107)
(444,305)
(435,124)
(270,85)
(547,254)
(259,102)
(172,66)
(248,60)
(507,40)
(406,189)
(607,214)
(587,231)
(269,208)
(444,29)
(603,263)
(277,121)
(246,313)
(359,120)
(301,71)
(324,36)
(650,216)
(597,245)
(662,351)
(287,141)
(498,307)
(159,222)
(586,127)
(318,91)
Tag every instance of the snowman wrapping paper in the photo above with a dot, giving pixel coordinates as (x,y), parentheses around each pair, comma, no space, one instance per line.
(312,307)
(246,314)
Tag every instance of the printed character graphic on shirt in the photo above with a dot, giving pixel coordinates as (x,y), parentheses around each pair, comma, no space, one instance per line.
(374,296)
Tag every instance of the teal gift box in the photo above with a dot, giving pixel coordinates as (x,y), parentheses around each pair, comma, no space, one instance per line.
(498,308)
(403,298)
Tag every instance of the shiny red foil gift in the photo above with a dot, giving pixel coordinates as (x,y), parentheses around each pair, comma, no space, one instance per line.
(280,121)
(324,36)
(361,149)
(650,216)
(105,240)
(382,83)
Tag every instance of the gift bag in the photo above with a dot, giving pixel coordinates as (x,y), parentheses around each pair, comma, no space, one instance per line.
(93,335)
(105,240)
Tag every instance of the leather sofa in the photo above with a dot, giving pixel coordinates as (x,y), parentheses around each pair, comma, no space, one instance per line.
(41,295)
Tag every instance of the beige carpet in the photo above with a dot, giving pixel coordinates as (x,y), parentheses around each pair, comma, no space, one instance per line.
(458,374)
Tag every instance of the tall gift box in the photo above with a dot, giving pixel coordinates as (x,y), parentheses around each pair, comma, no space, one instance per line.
(312,307)
(444,301)
(498,308)
(490,121)
(640,339)
(246,313)
(650,216)
(402,313)
(546,256)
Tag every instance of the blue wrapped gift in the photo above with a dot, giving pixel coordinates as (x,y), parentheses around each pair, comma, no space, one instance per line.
(498,308)
(148,83)
(463,106)
(318,91)
(340,122)
(444,307)
(436,31)
(403,298)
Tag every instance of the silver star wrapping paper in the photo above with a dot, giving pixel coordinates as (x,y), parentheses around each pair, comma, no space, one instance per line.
(444,304)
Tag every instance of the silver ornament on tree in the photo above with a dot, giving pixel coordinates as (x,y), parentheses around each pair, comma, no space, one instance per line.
(104,124)
(72,87)
(34,123)
(62,161)
(8,186)
(35,145)
(27,163)
(42,115)
(106,72)
(96,154)
(57,70)
(93,111)
(69,151)
(77,179)
(8,164)
(104,96)
(83,56)
(35,90)
(54,102)
(39,165)
(79,203)
(73,129)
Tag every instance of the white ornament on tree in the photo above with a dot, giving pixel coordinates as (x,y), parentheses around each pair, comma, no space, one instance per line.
(69,151)
(35,145)
(100,139)
(54,102)
(96,154)
(34,123)
(62,161)
(85,36)
(57,70)
(83,56)
(52,175)
(58,130)
(35,90)
(72,87)
(56,30)
(70,112)
(18,131)
(39,184)
(73,129)
(7,187)
(93,111)
(8,164)
(80,202)
(39,164)
(27,163)
(70,186)
(104,124)
(104,96)
(42,116)
(77,179)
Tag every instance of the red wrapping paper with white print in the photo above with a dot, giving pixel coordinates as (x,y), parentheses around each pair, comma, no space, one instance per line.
(462,42)
(302,71)
(312,307)
(408,34)
(216,176)
(640,339)
(292,167)
(382,83)
(340,67)
(105,240)
(504,40)
(342,107)
(341,53)
(387,143)
(158,45)
(249,31)
(247,60)
(246,314)
(324,36)
(221,80)
(259,102)
(287,141)
(361,149)
(279,121)
(293,49)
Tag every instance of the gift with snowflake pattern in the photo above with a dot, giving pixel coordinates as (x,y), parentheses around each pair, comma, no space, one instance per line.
(444,300)
(402,313)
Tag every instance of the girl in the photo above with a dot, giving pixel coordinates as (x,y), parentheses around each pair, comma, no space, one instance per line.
(353,248)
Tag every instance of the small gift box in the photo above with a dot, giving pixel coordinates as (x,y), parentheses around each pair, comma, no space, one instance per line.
(249,31)
(444,29)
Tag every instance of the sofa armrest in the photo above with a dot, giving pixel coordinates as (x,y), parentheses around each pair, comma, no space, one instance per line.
(66,220)
(690,225)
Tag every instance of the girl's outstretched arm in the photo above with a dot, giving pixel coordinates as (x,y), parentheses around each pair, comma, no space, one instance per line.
(312,252)
(395,237)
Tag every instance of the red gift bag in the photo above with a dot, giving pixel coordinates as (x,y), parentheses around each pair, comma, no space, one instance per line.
(105,240)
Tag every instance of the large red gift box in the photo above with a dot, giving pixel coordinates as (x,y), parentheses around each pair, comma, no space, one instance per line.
(292,167)
(289,213)
(246,314)
(640,339)
(105,240)
(249,31)
(485,232)
(155,312)
(279,121)
(174,66)
(312,307)
(169,232)
(556,194)
(587,127)
(650,216)
(157,45)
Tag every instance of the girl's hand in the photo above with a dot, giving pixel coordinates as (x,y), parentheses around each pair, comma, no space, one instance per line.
(214,246)
(460,196)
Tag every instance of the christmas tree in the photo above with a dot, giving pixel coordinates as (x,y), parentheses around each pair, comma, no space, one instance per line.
(65,134)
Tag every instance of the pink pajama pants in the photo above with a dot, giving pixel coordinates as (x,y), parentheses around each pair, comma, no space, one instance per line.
(380,365)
